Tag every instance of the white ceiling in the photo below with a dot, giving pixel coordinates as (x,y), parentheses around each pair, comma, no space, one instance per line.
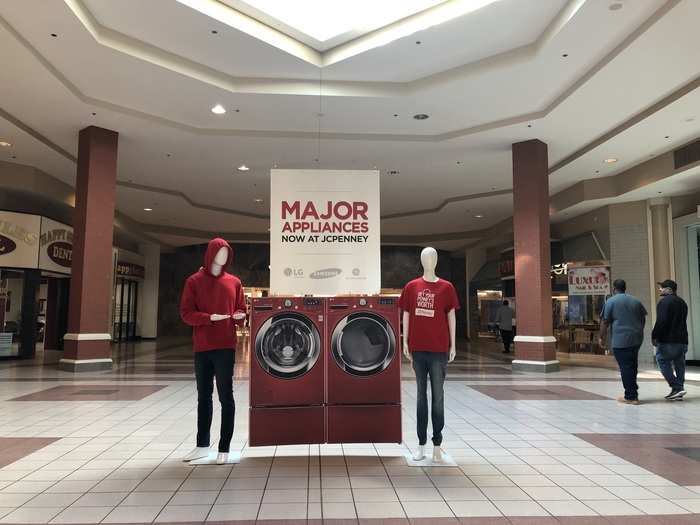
(152,71)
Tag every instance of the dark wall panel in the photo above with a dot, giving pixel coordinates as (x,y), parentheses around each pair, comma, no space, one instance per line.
(251,263)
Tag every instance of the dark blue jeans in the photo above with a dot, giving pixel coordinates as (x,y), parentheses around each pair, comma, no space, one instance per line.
(210,365)
(433,364)
(628,361)
(668,357)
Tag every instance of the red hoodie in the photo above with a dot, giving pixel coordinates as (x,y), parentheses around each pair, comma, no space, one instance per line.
(205,294)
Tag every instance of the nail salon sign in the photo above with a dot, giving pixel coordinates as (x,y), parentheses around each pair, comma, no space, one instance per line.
(589,280)
(324,232)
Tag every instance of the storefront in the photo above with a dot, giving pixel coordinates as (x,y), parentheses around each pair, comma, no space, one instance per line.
(686,241)
(579,290)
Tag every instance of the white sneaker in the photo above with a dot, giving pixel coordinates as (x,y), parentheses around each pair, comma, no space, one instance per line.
(419,454)
(222,458)
(197,453)
(437,455)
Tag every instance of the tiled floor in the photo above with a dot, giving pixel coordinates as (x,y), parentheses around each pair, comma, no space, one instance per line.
(531,450)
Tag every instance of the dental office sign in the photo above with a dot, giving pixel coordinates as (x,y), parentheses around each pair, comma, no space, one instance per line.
(324,232)
(55,246)
(589,280)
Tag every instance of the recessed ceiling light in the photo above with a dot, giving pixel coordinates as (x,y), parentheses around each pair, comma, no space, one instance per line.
(148,209)
(615,6)
(565,55)
(5,144)
(667,137)
(392,172)
(690,119)
(421,116)
(214,32)
(611,160)
(257,201)
(478,216)
(243,167)
(396,114)
(529,125)
(418,42)
(218,109)
(54,35)
(274,165)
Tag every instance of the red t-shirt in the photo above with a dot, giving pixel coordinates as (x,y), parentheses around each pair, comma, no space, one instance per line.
(428,305)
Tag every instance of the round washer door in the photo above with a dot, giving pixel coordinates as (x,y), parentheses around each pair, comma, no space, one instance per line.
(287,345)
(363,344)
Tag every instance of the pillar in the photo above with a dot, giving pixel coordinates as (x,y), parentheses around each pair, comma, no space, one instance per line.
(87,343)
(662,244)
(535,344)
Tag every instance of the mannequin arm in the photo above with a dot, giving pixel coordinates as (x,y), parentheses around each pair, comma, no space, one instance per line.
(188,309)
(240,311)
(452,323)
(406,319)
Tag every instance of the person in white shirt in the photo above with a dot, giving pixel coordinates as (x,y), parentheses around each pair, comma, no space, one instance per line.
(504,318)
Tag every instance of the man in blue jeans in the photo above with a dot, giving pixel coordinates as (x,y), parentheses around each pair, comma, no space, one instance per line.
(626,316)
(670,337)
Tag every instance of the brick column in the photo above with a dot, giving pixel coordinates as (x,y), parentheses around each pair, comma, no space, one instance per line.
(535,343)
(87,343)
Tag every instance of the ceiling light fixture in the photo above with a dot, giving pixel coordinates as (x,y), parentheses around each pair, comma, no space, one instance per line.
(611,160)
(54,35)
(257,201)
(243,167)
(565,55)
(478,216)
(421,116)
(148,209)
(218,109)
(5,144)
(214,32)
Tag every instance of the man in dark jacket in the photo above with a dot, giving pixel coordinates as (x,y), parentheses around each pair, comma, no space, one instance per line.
(670,337)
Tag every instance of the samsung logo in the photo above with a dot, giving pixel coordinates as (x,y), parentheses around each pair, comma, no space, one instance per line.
(326,273)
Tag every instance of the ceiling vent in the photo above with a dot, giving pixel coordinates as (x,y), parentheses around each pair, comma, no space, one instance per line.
(688,154)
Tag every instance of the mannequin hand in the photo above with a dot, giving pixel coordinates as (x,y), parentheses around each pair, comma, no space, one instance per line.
(218,317)
(407,353)
(238,316)
(453,354)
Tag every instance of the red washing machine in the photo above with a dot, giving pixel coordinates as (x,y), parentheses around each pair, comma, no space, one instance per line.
(287,371)
(363,378)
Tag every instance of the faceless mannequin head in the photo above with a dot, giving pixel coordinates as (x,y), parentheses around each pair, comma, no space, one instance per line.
(220,259)
(428,258)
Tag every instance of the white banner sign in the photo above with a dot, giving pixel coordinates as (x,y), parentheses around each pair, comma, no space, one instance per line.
(19,239)
(55,246)
(589,280)
(324,232)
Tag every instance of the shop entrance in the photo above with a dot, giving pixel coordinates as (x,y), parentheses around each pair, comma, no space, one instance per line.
(125,310)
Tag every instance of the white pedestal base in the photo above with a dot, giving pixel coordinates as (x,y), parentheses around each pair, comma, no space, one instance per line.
(427,461)
(233,457)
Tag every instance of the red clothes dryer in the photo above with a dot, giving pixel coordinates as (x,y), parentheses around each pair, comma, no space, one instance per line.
(287,371)
(363,370)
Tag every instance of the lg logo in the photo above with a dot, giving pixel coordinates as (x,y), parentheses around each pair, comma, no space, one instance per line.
(293,272)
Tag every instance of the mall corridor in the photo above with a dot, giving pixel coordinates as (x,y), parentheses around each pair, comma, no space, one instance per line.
(350,262)
(107,447)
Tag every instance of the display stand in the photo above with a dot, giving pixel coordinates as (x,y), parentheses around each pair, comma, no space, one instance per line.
(233,458)
(427,461)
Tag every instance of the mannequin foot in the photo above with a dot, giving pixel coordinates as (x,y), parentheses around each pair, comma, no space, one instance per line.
(419,455)
(197,453)
(437,455)
(222,458)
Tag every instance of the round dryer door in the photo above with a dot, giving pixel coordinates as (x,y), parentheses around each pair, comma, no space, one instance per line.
(287,345)
(363,344)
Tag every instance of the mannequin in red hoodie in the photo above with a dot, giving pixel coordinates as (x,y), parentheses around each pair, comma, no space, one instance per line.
(212,303)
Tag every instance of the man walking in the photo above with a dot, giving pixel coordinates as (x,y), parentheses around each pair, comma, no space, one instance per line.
(626,316)
(504,318)
(670,337)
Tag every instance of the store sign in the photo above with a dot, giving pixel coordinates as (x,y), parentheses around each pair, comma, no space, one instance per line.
(324,232)
(19,239)
(127,269)
(55,246)
(589,280)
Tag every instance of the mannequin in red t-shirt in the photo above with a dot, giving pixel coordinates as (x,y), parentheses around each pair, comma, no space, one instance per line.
(428,304)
